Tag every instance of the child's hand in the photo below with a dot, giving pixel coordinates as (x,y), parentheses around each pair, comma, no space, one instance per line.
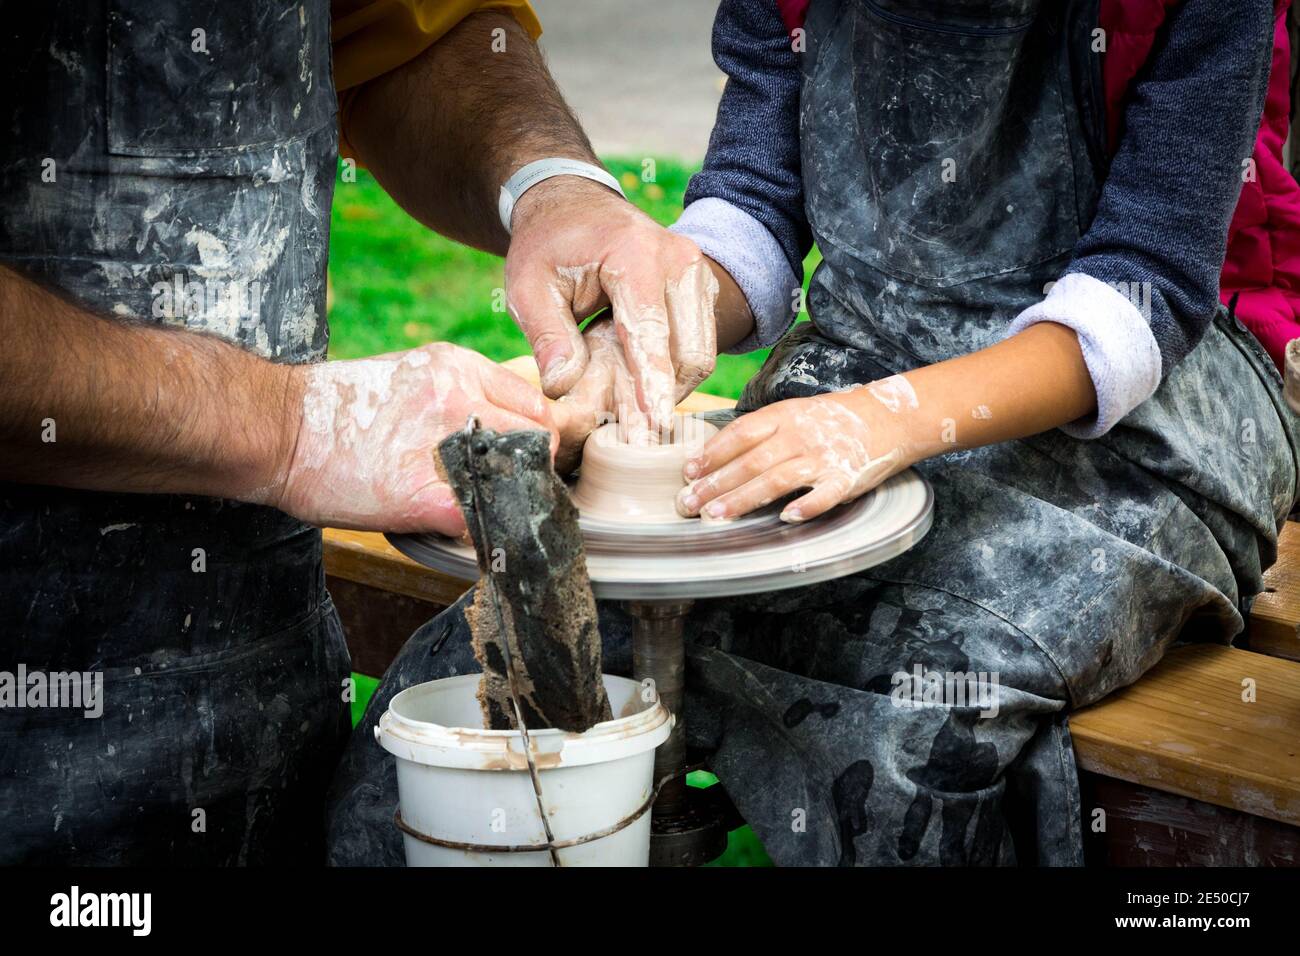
(845,443)
(839,445)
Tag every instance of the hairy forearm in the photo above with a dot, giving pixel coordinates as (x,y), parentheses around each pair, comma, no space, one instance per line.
(1030,383)
(87,402)
(443,132)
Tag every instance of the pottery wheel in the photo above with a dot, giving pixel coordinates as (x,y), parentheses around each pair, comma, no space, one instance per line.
(698,559)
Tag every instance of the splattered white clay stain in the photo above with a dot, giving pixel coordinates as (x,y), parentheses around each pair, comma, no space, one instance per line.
(895,393)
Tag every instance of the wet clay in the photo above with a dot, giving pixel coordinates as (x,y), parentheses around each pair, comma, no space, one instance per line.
(636,483)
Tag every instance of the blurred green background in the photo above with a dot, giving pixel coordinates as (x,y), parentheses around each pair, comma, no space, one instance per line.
(396,284)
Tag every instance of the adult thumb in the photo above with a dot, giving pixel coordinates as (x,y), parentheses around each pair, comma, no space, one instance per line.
(544,313)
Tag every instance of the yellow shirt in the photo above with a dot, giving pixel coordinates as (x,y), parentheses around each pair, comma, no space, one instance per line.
(371,37)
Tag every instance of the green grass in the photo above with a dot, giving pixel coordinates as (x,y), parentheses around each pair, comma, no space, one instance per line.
(397,285)
(365,690)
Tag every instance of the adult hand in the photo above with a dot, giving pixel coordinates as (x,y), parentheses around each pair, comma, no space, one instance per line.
(364,456)
(606,392)
(576,247)
(839,446)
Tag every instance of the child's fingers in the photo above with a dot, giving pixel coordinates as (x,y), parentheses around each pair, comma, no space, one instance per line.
(760,491)
(735,473)
(734,440)
(828,492)
(838,486)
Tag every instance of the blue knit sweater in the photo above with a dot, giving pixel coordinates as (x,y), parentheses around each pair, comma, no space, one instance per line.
(1162,220)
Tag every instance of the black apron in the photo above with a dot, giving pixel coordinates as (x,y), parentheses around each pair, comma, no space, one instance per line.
(1057,569)
(191,147)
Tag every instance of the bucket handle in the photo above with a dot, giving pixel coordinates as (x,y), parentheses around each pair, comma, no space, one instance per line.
(551,844)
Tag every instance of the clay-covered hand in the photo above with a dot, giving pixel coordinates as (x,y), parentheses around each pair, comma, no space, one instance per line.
(838,446)
(364,456)
(606,392)
(578,246)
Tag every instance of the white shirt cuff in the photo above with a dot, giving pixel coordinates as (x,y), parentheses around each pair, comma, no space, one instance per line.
(743,246)
(1121,353)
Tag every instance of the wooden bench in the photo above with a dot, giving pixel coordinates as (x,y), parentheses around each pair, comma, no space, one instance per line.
(1182,768)
(1274,626)
(1198,763)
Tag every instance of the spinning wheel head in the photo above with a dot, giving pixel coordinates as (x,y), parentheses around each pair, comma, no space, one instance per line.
(684,559)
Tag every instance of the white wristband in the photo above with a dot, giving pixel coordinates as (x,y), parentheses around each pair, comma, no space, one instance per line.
(529,176)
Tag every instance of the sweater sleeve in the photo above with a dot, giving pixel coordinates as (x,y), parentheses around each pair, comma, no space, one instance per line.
(1143,283)
(745,207)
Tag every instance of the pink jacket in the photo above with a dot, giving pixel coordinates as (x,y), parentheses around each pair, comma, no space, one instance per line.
(1262,267)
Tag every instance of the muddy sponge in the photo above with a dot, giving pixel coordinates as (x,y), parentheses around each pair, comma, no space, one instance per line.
(536,569)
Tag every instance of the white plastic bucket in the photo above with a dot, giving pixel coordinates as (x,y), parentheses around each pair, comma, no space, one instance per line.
(459,783)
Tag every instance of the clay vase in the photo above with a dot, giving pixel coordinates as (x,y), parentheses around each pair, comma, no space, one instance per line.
(626,483)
